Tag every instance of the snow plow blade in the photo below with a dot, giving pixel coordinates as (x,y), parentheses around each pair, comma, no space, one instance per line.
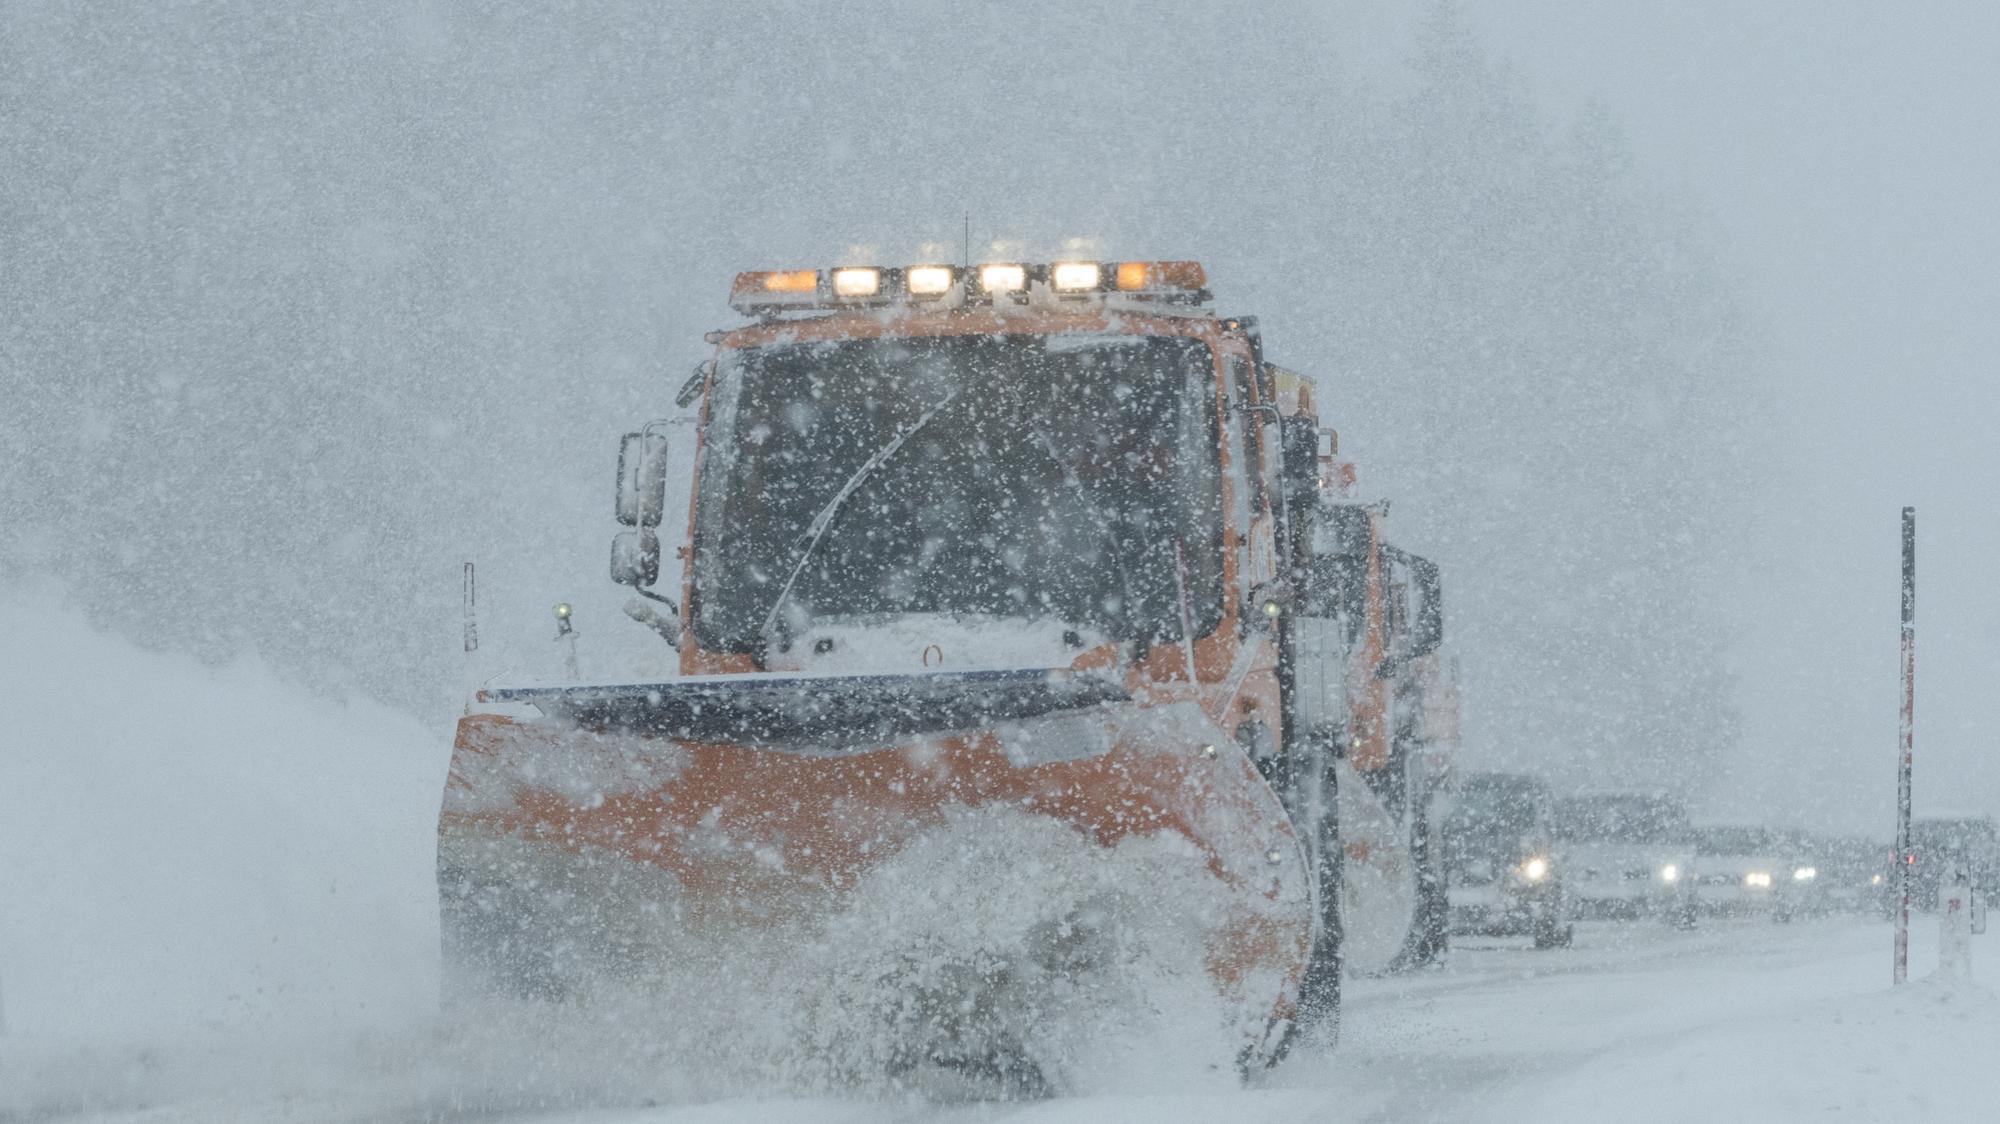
(943,835)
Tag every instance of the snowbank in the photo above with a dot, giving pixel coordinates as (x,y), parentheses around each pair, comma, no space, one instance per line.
(1735,1021)
(1922,1052)
(191,850)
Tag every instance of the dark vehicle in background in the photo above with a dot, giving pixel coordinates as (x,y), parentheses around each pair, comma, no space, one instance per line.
(1503,873)
(1972,842)
(1627,856)
(1754,871)
(1855,874)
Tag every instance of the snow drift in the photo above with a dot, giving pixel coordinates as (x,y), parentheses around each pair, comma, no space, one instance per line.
(186,848)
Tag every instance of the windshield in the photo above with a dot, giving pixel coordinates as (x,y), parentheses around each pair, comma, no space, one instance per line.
(1068,477)
(1620,819)
(1737,841)
(1495,806)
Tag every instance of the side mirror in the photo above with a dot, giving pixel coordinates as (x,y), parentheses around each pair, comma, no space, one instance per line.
(642,478)
(1427,632)
(1426,623)
(1343,529)
(1270,436)
(1301,454)
(635,558)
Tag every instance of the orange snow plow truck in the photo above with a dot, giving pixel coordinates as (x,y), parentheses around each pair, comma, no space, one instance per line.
(1034,667)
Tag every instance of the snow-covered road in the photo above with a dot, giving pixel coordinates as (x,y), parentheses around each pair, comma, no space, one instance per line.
(1737,1021)
(1742,1021)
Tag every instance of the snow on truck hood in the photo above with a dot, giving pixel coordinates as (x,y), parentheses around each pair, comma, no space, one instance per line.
(855,679)
(792,709)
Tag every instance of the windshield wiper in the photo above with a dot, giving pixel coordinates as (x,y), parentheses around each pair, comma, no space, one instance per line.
(816,530)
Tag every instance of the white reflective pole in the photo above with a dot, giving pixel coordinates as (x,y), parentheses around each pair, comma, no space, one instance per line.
(1955,923)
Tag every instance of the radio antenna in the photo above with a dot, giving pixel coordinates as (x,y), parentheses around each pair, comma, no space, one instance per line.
(966,260)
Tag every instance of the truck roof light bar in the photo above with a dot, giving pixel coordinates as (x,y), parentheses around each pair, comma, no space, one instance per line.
(768,292)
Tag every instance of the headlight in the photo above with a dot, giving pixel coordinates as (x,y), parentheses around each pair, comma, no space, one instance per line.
(1670,873)
(1535,869)
(1805,874)
(1758,878)
(1875,881)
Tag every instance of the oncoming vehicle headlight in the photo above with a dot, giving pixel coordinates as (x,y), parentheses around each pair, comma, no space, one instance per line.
(1805,874)
(1758,878)
(1670,873)
(1535,869)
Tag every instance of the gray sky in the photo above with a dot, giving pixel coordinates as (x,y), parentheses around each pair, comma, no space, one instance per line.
(1850,156)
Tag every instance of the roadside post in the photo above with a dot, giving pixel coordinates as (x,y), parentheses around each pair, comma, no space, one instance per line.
(1955,923)
(471,609)
(1903,856)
